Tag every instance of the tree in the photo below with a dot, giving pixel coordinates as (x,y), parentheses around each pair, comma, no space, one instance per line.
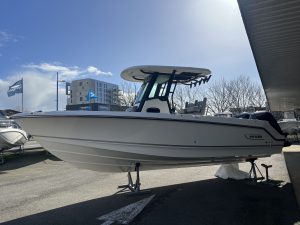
(239,93)
(259,97)
(219,96)
(127,93)
(242,92)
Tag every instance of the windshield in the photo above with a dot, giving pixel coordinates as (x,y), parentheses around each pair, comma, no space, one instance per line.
(142,90)
(159,88)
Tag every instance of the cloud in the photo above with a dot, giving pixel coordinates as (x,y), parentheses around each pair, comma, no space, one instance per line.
(40,86)
(69,73)
(92,69)
(6,37)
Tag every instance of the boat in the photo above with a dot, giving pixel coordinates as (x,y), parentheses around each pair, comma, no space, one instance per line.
(151,135)
(11,134)
(224,114)
(289,124)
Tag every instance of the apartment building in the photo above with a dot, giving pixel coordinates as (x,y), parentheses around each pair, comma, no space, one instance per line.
(106,95)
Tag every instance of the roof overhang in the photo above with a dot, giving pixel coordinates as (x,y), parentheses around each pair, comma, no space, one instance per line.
(273,28)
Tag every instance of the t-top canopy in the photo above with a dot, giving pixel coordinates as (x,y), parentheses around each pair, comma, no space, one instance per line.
(185,75)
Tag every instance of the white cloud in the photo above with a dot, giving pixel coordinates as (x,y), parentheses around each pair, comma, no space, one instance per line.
(71,72)
(40,86)
(95,70)
(66,72)
(6,37)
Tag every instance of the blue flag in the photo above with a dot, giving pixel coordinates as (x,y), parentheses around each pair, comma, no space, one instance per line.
(91,95)
(15,88)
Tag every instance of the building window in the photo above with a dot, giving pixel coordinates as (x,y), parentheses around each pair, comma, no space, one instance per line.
(80,83)
(80,99)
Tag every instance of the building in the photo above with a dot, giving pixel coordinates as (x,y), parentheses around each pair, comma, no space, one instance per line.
(107,95)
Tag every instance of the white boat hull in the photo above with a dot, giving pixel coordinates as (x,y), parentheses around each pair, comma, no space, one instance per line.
(11,137)
(114,142)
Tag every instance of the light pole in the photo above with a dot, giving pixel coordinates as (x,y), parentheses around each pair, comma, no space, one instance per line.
(57,89)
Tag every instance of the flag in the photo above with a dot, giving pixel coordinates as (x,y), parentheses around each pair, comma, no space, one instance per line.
(15,88)
(91,95)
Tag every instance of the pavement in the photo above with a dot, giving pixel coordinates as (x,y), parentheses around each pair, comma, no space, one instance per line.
(37,188)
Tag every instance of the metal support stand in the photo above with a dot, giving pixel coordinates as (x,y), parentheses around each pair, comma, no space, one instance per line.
(253,172)
(267,171)
(132,187)
(21,149)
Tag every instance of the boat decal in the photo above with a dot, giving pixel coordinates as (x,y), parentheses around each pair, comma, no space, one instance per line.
(254,136)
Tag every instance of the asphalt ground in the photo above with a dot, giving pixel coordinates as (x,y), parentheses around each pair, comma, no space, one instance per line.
(37,188)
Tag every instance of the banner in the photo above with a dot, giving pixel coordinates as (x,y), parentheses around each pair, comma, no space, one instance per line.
(16,88)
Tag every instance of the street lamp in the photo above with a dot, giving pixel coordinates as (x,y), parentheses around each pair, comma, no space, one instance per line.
(57,89)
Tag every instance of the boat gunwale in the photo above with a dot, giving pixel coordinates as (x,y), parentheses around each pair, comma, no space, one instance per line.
(192,120)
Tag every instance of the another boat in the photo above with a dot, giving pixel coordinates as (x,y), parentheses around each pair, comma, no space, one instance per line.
(289,124)
(11,135)
(224,114)
(152,135)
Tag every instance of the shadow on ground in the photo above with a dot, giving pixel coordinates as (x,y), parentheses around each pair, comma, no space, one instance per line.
(15,159)
(293,166)
(213,201)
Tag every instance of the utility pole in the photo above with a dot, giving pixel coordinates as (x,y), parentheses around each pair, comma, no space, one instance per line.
(22,94)
(56,91)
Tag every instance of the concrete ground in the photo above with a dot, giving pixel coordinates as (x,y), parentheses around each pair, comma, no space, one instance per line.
(37,188)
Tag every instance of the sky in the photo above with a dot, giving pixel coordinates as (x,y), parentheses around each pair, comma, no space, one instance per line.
(98,39)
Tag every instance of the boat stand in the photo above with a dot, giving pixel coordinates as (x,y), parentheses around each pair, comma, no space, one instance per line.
(253,170)
(268,181)
(267,171)
(133,188)
(21,149)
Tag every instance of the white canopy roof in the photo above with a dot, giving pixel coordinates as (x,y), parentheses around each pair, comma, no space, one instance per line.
(273,28)
(139,73)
